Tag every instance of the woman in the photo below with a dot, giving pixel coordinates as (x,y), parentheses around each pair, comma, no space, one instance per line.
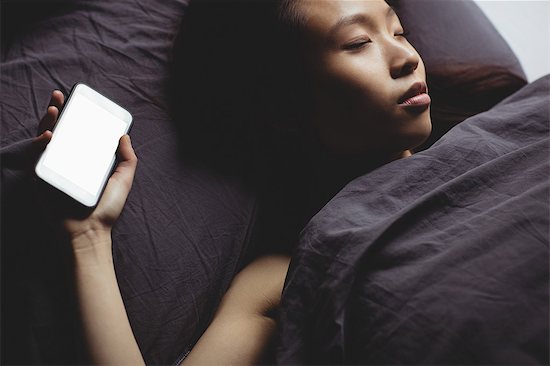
(366,106)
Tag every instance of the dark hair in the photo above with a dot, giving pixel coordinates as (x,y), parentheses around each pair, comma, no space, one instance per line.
(236,76)
(289,14)
(237,96)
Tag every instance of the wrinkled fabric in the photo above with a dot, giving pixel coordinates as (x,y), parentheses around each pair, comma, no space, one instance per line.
(465,77)
(184,231)
(440,258)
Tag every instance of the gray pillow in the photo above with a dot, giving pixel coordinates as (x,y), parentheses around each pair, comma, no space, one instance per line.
(470,67)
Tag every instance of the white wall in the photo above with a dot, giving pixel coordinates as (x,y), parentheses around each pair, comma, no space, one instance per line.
(525,24)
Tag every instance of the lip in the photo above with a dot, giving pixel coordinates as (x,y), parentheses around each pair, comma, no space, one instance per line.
(415,96)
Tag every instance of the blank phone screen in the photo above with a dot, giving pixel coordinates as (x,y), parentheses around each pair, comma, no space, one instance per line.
(84,143)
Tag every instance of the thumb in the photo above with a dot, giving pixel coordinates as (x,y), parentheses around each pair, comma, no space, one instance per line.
(127,163)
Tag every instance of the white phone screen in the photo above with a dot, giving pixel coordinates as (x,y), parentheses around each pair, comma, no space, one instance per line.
(83,143)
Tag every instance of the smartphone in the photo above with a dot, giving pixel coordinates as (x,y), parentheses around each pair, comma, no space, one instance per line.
(81,154)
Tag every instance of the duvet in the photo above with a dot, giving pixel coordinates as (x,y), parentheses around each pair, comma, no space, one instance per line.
(440,258)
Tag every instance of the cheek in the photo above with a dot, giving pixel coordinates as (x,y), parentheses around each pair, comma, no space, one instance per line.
(354,82)
(356,109)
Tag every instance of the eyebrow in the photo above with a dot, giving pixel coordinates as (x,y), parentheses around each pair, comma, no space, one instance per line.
(357,19)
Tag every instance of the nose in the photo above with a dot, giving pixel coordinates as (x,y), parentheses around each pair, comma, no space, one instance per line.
(403,59)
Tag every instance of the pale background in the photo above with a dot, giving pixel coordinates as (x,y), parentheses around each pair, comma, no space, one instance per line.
(525,25)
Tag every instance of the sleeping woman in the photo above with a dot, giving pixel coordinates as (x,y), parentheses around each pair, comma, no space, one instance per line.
(366,105)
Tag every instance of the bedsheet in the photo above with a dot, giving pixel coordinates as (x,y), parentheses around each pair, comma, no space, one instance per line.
(185,229)
(440,258)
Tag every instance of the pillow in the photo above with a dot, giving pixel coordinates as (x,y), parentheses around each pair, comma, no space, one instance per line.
(470,67)
(185,229)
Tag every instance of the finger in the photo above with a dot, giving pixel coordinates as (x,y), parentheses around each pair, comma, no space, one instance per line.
(23,155)
(37,147)
(126,151)
(57,99)
(126,167)
(43,139)
(120,183)
(49,120)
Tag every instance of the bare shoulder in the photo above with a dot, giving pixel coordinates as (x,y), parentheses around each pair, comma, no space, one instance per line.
(242,329)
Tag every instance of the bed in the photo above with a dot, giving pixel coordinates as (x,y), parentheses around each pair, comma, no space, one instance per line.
(188,227)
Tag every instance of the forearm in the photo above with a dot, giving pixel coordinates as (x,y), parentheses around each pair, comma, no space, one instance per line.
(105,323)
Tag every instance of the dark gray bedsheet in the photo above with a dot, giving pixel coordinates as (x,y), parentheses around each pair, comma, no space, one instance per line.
(441,258)
(184,231)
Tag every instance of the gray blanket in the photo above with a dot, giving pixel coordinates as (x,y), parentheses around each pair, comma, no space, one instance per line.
(440,258)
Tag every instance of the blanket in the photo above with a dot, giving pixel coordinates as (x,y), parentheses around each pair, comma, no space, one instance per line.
(440,258)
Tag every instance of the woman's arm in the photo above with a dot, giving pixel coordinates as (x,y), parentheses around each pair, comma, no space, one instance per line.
(105,323)
(239,334)
(106,328)
(242,328)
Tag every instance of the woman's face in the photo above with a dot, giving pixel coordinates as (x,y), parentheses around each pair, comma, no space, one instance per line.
(364,73)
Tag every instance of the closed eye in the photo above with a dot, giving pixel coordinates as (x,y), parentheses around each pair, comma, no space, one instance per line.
(355,45)
(404,34)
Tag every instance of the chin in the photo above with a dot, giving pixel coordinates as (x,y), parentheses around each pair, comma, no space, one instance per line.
(417,133)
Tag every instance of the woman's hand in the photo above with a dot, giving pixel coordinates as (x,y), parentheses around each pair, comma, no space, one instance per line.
(95,228)
(85,231)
